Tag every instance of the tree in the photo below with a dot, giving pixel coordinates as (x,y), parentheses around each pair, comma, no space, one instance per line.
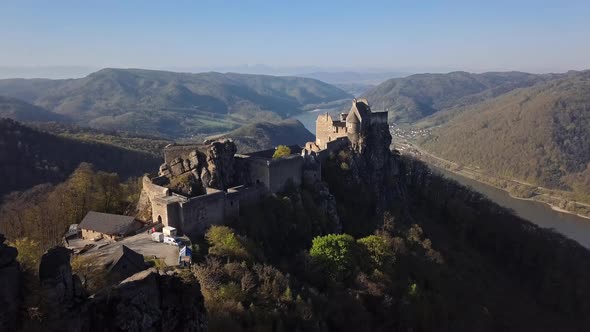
(29,253)
(281,151)
(378,249)
(337,254)
(92,274)
(223,241)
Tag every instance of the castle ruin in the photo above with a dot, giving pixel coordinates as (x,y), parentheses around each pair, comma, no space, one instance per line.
(206,184)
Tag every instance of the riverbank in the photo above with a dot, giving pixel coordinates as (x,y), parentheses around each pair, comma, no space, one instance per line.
(560,201)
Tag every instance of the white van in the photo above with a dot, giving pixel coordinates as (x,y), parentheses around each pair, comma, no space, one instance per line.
(157,237)
(169,231)
(171,241)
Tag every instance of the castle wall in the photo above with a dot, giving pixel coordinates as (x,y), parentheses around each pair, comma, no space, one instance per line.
(198,213)
(327,130)
(285,170)
(311,176)
(258,170)
(166,210)
(246,195)
(151,187)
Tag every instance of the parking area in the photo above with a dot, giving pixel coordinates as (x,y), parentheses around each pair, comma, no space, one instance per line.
(141,243)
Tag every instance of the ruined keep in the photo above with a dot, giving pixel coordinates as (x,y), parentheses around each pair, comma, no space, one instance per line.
(206,184)
(349,127)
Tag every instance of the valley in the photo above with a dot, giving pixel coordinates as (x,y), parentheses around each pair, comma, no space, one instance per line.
(546,208)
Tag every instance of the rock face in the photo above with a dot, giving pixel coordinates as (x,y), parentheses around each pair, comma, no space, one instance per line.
(60,289)
(9,286)
(372,162)
(146,301)
(327,204)
(210,167)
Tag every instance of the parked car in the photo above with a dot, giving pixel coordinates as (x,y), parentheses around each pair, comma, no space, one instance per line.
(171,241)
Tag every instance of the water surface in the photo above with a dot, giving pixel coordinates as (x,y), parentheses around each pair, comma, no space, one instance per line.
(574,227)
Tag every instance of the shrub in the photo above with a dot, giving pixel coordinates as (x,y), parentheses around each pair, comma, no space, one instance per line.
(378,249)
(337,254)
(281,151)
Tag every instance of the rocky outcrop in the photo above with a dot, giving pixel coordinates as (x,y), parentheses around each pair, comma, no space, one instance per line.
(219,170)
(372,163)
(60,288)
(9,286)
(209,166)
(327,205)
(146,301)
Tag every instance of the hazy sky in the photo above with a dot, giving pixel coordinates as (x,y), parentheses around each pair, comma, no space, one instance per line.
(415,35)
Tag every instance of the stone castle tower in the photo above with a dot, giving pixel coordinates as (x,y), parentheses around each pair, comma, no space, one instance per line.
(352,125)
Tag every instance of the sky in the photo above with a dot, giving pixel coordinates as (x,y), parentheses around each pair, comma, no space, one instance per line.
(297,35)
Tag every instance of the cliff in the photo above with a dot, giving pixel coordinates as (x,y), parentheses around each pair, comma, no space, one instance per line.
(10,281)
(146,301)
(364,178)
(200,167)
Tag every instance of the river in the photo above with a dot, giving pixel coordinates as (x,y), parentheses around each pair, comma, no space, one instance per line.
(572,226)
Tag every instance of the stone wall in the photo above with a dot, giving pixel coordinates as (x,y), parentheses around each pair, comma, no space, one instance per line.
(332,147)
(166,210)
(150,190)
(285,170)
(258,170)
(274,174)
(246,195)
(198,213)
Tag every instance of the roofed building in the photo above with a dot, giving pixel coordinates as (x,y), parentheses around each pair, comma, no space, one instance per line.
(124,263)
(105,225)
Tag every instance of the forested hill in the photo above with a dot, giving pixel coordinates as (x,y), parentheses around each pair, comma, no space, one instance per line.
(415,97)
(29,157)
(539,134)
(266,135)
(172,104)
(19,110)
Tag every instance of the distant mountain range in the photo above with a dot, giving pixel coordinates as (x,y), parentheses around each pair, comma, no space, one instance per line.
(413,98)
(355,83)
(539,133)
(172,104)
(19,110)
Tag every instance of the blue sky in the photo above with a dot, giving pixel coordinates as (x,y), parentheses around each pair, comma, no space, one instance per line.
(538,36)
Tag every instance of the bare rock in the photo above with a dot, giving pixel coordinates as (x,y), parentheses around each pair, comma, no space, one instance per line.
(10,286)
(164,170)
(61,289)
(177,167)
(147,301)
